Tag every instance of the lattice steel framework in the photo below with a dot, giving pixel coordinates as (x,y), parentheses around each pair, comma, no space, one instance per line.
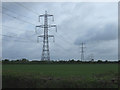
(82,51)
(45,51)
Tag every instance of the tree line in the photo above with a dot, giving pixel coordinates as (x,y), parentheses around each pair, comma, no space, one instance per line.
(26,61)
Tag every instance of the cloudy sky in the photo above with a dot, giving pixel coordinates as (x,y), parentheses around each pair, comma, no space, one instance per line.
(95,24)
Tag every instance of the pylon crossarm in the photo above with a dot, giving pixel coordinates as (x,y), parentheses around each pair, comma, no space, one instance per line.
(42,26)
(38,38)
(41,16)
(53,26)
(41,36)
(52,36)
(51,16)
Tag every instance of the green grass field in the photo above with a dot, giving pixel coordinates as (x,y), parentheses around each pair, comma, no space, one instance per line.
(60,75)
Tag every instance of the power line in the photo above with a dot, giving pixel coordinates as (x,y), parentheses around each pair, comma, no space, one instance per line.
(15,12)
(18,18)
(7,36)
(60,46)
(12,36)
(13,28)
(63,41)
(17,40)
(61,49)
(27,8)
(64,38)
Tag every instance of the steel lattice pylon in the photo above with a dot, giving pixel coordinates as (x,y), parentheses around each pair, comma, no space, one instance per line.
(82,51)
(45,51)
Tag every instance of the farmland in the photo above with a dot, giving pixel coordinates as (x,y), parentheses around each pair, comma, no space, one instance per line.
(60,75)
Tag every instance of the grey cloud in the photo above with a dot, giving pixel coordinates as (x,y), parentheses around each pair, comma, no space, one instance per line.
(108,32)
(76,22)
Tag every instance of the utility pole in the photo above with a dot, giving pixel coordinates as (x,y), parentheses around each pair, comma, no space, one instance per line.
(82,51)
(45,51)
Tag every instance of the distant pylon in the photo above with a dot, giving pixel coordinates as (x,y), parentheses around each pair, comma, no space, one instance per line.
(92,57)
(45,52)
(82,51)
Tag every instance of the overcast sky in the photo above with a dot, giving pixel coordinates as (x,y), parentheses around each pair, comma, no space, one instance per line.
(95,24)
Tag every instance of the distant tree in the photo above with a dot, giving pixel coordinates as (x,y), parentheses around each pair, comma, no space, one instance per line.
(106,61)
(17,60)
(6,60)
(72,60)
(118,61)
(78,60)
(24,60)
(99,61)
(92,60)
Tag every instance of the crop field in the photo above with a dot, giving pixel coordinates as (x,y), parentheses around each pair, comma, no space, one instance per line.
(60,75)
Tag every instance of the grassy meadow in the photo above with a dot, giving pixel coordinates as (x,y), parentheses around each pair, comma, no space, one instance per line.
(60,75)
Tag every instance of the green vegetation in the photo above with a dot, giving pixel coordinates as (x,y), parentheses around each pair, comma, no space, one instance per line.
(60,75)
(25,61)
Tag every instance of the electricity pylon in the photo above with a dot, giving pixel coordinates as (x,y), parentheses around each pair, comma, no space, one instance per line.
(82,51)
(92,57)
(45,51)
